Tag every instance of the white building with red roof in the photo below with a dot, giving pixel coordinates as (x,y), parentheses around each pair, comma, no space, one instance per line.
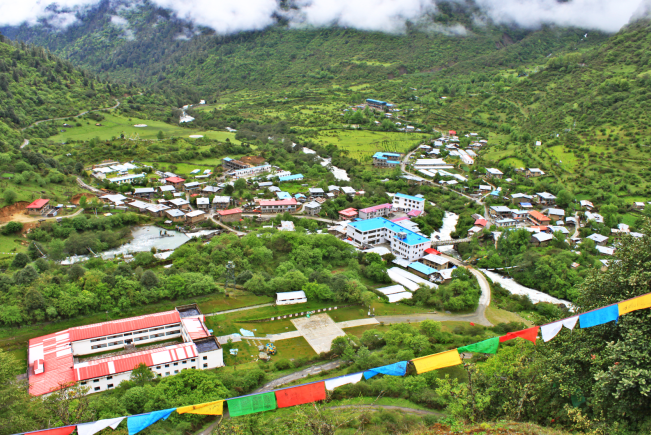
(279,206)
(39,206)
(54,358)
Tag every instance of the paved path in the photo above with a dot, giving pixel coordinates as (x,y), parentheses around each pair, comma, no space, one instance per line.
(358,322)
(250,307)
(298,375)
(87,187)
(226,227)
(25,143)
(72,116)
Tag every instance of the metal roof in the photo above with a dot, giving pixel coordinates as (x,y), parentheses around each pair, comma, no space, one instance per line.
(123,325)
(195,328)
(229,212)
(291,201)
(420,267)
(38,203)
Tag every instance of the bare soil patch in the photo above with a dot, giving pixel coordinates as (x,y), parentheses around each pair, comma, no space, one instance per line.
(253,160)
(75,199)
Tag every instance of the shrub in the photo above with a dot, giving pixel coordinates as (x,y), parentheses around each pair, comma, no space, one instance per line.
(12,228)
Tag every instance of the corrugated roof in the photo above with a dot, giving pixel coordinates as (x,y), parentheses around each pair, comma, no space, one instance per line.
(538,216)
(376,208)
(124,325)
(195,328)
(55,352)
(38,203)
(291,201)
(413,198)
(420,267)
(229,212)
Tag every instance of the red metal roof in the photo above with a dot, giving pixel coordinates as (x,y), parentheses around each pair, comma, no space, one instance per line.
(124,325)
(452,132)
(539,216)
(432,251)
(38,203)
(404,218)
(175,179)
(55,352)
(229,212)
(280,202)
(481,222)
(195,328)
(349,212)
(376,208)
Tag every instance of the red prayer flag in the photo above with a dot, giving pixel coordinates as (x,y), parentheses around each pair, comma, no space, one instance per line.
(65,430)
(472,324)
(528,334)
(301,395)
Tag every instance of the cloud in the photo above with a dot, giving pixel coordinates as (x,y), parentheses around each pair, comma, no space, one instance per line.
(230,16)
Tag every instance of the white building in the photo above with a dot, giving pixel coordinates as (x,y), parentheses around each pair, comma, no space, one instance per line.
(429,163)
(404,243)
(53,358)
(289,298)
(249,172)
(129,178)
(408,202)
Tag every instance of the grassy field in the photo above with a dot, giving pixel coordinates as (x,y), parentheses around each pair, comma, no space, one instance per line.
(115,125)
(362,144)
(248,352)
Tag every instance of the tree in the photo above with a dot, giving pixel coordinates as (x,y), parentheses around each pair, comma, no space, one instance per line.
(12,228)
(141,375)
(76,272)
(9,196)
(564,198)
(149,280)
(609,212)
(70,403)
(240,184)
(160,135)
(82,201)
(20,260)
(57,250)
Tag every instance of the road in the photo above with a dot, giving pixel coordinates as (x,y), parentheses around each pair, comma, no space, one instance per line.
(226,227)
(81,210)
(312,370)
(250,307)
(66,117)
(87,187)
(25,143)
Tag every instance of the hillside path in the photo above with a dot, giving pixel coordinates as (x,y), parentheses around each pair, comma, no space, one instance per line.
(66,117)
(312,370)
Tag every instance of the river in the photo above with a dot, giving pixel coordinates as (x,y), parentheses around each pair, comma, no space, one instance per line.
(518,289)
(449,224)
(147,237)
(340,174)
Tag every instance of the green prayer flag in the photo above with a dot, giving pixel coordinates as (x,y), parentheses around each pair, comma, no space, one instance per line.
(486,346)
(251,404)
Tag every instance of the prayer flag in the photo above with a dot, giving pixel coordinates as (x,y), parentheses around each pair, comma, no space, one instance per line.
(397,369)
(599,317)
(638,303)
(331,384)
(437,361)
(65,430)
(136,423)
(96,426)
(528,334)
(300,395)
(209,408)
(251,404)
(486,346)
(549,331)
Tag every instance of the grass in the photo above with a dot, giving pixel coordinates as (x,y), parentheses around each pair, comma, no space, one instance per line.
(11,243)
(386,309)
(115,125)
(497,315)
(362,144)
(290,349)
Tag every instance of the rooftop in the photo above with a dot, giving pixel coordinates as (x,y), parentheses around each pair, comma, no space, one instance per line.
(420,267)
(379,222)
(38,203)
(376,208)
(229,212)
(175,180)
(195,213)
(291,201)
(413,198)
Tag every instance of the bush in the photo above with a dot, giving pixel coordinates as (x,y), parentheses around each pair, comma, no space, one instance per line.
(20,261)
(282,364)
(12,228)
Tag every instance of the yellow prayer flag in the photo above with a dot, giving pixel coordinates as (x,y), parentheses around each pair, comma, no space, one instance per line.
(210,408)
(437,361)
(638,303)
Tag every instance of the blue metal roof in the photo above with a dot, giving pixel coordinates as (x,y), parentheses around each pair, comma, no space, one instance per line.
(385,156)
(283,195)
(228,159)
(379,222)
(413,198)
(291,177)
(370,100)
(420,267)
(299,195)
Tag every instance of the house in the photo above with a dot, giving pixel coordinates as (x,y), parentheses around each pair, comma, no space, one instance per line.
(594,217)
(546,198)
(541,239)
(519,215)
(52,358)
(157,210)
(412,179)
(290,298)
(407,202)
(316,192)
(139,205)
(177,182)
(598,239)
(116,199)
(144,192)
(250,171)
(395,293)
(435,261)
(180,203)
(127,178)
(334,190)
(347,214)
(443,276)
(518,198)
(377,104)
(484,188)
(481,222)
(605,251)
(422,270)
(196,216)
(175,215)
(386,160)
(375,211)
(192,187)
(299,197)
(429,163)
(403,242)
(295,177)
(312,208)
(39,207)
(556,213)
(506,222)
(231,215)
(221,202)
(586,204)
(210,190)
(230,164)
(538,218)
(166,188)
(283,195)
(203,203)
(534,172)
(570,220)
(493,173)
(347,190)
(501,211)
(281,206)
(638,205)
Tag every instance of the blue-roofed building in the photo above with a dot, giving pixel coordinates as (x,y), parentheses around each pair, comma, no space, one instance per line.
(294,177)
(283,195)
(386,160)
(376,103)
(404,243)
(408,203)
(422,270)
(300,197)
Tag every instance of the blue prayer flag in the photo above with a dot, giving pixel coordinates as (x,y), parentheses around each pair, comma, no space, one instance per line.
(137,423)
(397,369)
(599,317)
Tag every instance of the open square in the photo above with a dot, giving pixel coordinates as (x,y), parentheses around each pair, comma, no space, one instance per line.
(319,331)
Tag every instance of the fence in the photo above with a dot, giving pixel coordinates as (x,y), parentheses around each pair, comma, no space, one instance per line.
(302,313)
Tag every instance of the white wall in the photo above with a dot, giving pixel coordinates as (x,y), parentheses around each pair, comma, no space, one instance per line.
(85,347)
(409,204)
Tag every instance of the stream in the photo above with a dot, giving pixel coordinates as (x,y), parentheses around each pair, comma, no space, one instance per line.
(449,224)
(518,289)
(340,174)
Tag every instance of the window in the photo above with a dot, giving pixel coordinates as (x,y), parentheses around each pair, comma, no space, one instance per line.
(95,380)
(171,326)
(157,335)
(173,332)
(167,373)
(115,343)
(108,378)
(205,358)
(192,360)
(126,334)
(176,364)
(83,383)
(109,386)
(115,336)
(97,388)
(157,367)
(97,339)
(205,366)
(184,362)
(167,365)
(156,329)
(141,338)
(176,371)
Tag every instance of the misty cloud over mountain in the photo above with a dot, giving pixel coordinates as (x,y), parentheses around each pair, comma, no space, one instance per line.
(228,16)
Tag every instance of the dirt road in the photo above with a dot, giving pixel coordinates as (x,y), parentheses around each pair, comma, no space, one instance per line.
(66,117)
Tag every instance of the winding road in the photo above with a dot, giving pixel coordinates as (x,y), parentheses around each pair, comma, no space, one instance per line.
(71,116)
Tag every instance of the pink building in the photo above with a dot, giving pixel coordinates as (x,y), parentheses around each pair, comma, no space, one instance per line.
(381,210)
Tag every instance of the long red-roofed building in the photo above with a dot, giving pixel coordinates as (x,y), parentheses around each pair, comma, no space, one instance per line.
(279,206)
(52,357)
